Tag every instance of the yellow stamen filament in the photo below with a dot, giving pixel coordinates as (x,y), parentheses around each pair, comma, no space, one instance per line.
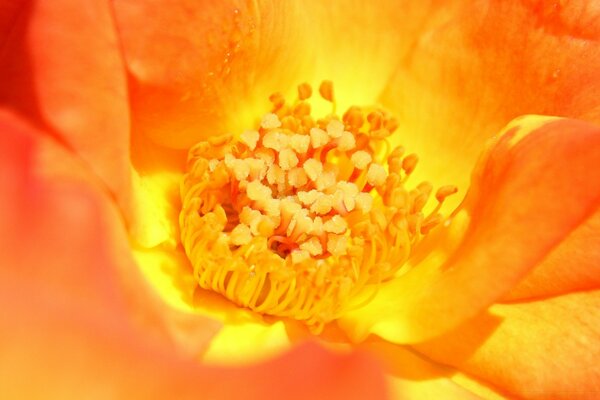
(296,218)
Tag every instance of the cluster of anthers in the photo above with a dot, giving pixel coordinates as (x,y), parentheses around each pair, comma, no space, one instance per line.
(298,217)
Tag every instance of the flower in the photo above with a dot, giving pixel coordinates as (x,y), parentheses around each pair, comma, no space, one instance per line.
(103,100)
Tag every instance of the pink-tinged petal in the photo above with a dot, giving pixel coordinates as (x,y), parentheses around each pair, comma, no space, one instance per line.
(61,68)
(573,266)
(534,185)
(73,323)
(545,349)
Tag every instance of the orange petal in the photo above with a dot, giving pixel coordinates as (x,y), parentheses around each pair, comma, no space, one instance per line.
(53,186)
(545,349)
(572,266)
(473,66)
(413,376)
(68,327)
(534,185)
(61,68)
(201,68)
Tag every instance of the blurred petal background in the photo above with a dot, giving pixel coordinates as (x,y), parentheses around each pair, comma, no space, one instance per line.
(101,99)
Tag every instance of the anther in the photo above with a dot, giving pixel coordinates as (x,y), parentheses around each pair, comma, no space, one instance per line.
(270,121)
(326,90)
(409,163)
(304,91)
(444,192)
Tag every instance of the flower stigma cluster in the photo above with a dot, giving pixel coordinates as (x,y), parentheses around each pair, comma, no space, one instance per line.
(300,217)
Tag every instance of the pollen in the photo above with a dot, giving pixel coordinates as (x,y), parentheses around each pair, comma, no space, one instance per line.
(299,216)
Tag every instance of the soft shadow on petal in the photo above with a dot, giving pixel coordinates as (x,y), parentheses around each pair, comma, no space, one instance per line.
(522,204)
(61,68)
(573,266)
(413,376)
(72,326)
(536,350)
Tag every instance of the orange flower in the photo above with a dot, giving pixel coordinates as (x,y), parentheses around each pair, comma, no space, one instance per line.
(102,101)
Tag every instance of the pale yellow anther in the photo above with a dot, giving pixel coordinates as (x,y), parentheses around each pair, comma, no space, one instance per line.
(240,235)
(313,168)
(257,191)
(266,227)
(287,159)
(229,159)
(325,181)
(299,256)
(272,207)
(346,142)
(361,159)
(364,202)
(250,139)
(337,244)
(308,198)
(318,137)
(322,205)
(249,216)
(257,167)
(212,164)
(336,224)
(275,140)
(297,177)
(335,128)
(289,207)
(267,155)
(349,202)
(317,226)
(348,188)
(376,175)
(240,169)
(300,143)
(275,175)
(313,246)
(301,223)
(270,121)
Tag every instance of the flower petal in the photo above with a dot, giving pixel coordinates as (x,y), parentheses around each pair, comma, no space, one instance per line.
(68,329)
(201,68)
(534,185)
(62,69)
(473,66)
(537,350)
(573,266)
(54,186)
(413,376)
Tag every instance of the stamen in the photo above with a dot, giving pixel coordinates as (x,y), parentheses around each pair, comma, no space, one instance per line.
(300,216)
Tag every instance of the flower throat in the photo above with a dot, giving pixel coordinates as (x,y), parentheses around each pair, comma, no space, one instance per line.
(301,217)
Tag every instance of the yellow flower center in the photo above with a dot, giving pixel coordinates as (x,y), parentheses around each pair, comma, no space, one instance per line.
(299,217)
